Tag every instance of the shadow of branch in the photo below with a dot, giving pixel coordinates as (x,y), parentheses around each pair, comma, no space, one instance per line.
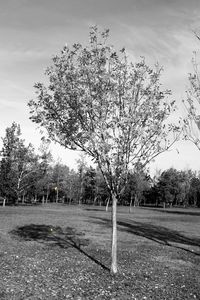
(56,236)
(174,211)
(158,234)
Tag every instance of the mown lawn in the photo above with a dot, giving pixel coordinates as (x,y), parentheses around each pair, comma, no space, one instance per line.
(63,252)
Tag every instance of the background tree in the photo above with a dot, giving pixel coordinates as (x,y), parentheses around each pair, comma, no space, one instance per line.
(41,179)
(101,190)
(111,109)
(74,187)
(89,185)
(137,184)
(194,192)
(59,184)
(172,187)
(17,164)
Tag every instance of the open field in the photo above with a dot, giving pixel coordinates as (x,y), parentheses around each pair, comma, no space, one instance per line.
(63,252)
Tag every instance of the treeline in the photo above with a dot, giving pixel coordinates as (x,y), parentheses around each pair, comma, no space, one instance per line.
(30,177)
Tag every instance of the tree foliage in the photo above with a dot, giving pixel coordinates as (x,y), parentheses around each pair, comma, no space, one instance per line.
(99,102)
(192,105)
(17,163)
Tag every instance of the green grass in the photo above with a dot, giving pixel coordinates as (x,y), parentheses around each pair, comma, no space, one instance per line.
(63,252)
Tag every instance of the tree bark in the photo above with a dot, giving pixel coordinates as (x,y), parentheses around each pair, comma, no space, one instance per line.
(57,195)
(107,204)
(23,198)
(114,235)
(47,195)
(130,206)
(136,201)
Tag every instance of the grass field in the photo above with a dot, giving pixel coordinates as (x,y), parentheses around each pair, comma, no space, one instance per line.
(63,252)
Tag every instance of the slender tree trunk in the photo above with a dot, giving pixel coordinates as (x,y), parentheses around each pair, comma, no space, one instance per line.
(195,199)
(57,195)
(17,200)
(80,201)
(95,199)
(107,204)
(114,235)
(23,197)
(130,206)
(47,195)
(176,200)
(136,201)
(70,193)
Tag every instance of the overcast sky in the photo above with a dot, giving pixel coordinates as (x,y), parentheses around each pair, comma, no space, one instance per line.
(31,32)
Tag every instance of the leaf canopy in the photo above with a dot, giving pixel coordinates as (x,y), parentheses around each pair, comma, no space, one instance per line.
(99,102)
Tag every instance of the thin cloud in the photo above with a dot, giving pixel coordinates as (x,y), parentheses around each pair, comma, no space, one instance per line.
(22,54)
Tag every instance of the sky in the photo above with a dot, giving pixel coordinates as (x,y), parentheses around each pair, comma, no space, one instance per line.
(31,32)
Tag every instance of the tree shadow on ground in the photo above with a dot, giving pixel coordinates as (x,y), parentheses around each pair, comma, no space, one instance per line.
(55,236)
(172,211)
(158,234)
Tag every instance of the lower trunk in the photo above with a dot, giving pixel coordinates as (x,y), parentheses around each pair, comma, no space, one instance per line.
(57,195)
(107,204)
(23,198)
(47,196)
(17,200)
(95,199)
(136,201)
(195,200)
(114,235)
(35,199)
(130,207)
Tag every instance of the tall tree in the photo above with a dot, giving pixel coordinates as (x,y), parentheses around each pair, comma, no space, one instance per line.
(173,187)
(89,184)
(18,162)
(194,192)
(60,178)
(111,109)
(41,179)
(137,183)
